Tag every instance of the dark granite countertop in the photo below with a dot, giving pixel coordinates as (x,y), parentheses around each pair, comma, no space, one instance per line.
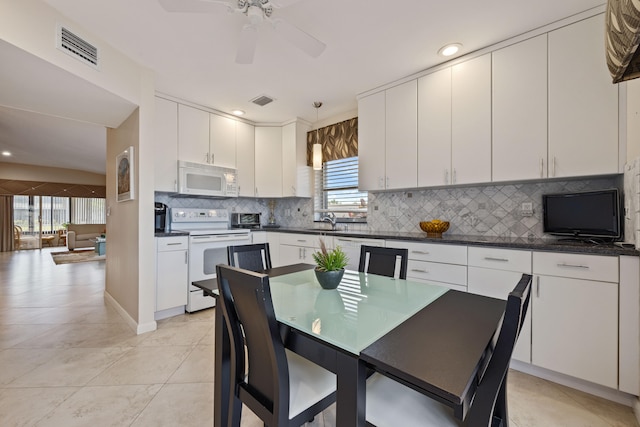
(172,234)
(550,245)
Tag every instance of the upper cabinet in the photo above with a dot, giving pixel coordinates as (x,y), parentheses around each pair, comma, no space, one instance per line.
(166,143)
(193,134)
(296,175)
(519,83)
(268,165)
(434,129)
(371,142)
(388,139)
(245,159)
(583,103)
(471,121)
(222,141)
(540,108)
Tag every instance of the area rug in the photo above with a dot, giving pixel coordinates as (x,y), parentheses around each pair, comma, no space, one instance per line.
(76,256)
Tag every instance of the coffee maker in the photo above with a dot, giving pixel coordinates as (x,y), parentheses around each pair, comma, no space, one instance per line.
(161,217)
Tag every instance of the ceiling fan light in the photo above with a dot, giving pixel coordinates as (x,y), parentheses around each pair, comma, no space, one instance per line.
(450,49)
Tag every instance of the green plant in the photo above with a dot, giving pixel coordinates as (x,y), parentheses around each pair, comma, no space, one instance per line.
(330,260)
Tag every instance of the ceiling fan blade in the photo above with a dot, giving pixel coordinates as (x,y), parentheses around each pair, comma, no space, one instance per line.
(302,40)
(247,44)
(196,6)
(279,4)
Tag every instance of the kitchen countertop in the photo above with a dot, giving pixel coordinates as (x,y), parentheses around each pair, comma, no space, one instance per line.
(550,245)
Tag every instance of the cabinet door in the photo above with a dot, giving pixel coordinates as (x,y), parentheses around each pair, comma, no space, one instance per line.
(245,159)
(471,121)
(166,148)
(519,74)
(296,175)
(193,134)
(434,129)
(371,142)
(583,104)
(498,284)
(268,162)
(575,328)
(222,141)
(172,287)
(401,136)
(291,254)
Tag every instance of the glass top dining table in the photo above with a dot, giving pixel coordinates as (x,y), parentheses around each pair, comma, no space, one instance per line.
(361,310)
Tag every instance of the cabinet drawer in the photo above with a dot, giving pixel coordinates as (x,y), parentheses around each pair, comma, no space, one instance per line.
(176,243)
(500,259)
(309,240)
(423,270)
(578,266)
(450,254)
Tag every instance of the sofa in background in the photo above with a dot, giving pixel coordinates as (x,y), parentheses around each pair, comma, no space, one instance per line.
(80,235)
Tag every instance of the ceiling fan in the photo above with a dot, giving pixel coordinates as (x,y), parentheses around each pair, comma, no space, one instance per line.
(257,12)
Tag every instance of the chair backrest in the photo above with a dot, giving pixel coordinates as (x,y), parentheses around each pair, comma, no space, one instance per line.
(248,311)
(491,382)
(254,257)
(382,261)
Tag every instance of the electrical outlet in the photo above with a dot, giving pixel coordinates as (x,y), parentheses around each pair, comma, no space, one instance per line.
(526,209)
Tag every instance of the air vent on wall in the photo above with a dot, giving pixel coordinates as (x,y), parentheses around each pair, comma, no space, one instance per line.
(75,46)
(262,100)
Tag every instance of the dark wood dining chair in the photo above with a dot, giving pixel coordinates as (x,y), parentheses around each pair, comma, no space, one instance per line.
(383,261)
(280,387)
(254,257)
(390,403)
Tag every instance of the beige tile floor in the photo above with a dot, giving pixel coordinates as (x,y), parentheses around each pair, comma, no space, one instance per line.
(68,359)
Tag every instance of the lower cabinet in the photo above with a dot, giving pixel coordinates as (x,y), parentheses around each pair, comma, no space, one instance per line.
(494,273)
(172,261)
(299,248)
(352,246)
(575,320)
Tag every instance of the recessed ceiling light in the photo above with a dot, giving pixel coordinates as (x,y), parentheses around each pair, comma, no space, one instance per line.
(237,112)
(6,153)
(450,49)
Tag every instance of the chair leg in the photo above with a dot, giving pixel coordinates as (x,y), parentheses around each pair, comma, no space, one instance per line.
(500,411)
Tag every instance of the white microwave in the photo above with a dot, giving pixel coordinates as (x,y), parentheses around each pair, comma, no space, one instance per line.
(196,179)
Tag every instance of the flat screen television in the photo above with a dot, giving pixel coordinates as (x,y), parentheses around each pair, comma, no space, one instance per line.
(585,215)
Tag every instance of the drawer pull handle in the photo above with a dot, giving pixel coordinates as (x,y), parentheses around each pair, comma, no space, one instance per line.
(573,266)
(173,244)
(420,252)
(417,270)
(301,240)
(488,258)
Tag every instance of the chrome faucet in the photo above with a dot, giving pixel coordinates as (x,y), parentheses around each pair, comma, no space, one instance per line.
(331,218)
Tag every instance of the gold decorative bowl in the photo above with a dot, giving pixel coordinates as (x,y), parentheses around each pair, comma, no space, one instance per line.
(434,228)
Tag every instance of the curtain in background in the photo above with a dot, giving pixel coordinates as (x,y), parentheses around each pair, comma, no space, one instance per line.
(339,141)
(6,223)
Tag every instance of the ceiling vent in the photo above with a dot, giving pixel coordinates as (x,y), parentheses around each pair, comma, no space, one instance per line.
(75,46)
(262,100)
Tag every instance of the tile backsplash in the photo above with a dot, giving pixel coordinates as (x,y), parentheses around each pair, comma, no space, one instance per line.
(484,210)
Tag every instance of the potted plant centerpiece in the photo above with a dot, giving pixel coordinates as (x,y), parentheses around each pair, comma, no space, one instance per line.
(330,265)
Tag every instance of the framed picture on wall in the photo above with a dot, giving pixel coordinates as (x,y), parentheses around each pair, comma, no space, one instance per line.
(125,175)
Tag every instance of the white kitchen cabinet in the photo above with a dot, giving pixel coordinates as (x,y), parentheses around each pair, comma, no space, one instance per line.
(299,248)
(494,272)
(166,145)
(172,260)
(371,142)
(434,129)
(583,104)
(193,134)
(401,136)
(222,141)
(444,265)
(268,165)
(296,175)
(245,159)
(352,246)
(519,110)
(471,121)
(575,320)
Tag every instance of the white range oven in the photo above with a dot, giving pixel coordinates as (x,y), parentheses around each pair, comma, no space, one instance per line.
(209,236)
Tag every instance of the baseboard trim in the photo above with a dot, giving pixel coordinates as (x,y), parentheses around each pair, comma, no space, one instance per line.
(578,384)
(636,409)
(135,327)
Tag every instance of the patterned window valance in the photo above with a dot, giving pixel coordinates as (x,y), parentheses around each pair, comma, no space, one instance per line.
(622,39)
(339,141)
